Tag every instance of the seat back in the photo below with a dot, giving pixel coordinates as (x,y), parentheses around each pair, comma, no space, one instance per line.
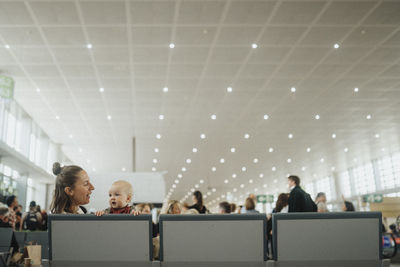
(20,237)
(109,238)
(207,240)
(347,239)
(39,238)
(5,239)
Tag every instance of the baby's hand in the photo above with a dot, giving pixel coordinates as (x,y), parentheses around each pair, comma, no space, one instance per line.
(135,212)
(100,213)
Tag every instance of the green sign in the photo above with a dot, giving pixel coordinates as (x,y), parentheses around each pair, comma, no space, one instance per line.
(373,198)
(265,199)
(6,87)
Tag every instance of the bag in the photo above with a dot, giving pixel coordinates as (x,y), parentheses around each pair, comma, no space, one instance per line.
(32,222)
(34,252)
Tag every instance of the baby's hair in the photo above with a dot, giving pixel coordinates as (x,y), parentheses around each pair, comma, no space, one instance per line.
(126,185)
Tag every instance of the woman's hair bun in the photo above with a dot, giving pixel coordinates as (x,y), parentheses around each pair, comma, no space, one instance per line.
(56,168)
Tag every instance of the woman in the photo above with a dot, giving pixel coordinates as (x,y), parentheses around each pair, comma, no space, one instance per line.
(282,204)
(73,189)
(172,207)
(198,203)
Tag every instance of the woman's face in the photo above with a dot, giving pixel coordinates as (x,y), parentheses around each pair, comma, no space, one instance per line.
(146,210)
(80,194)
(176,209)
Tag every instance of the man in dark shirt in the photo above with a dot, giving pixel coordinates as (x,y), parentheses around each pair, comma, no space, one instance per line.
(299,200)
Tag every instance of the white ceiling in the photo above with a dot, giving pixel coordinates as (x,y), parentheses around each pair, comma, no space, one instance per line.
(132,61)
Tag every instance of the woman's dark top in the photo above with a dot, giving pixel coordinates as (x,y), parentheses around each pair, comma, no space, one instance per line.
(201,210)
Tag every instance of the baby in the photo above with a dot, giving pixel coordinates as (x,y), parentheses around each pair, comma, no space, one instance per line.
(120,196)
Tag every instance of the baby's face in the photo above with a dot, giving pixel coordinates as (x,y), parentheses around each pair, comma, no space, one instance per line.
(118,197)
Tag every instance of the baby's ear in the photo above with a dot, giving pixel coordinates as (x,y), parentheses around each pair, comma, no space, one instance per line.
(129,198)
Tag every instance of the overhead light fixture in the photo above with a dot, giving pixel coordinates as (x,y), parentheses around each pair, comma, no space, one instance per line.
(229,89)
(57,117)
(293,89)
(123,169)
(213,169)
(38,90)
(271,150)
(226,181)
(273,168)
(254,46)
(188,161)
(194,150)
(290,136)
(101,90)
(180,176)
(213,117)
(251,181)
(346,149)
(242,186)
(222,160)
(233,150)
(322,160)
(109,117)
(202,181)
(243,169)
(333,136)
(155,160)
(317,117)
(156,150)
(266,117)
(369,117)
(171,45)
(153,169)
(356,90)
(377,136)
(161,117)
(261,175)
(336,46)
(289,160)
(158,136)
(246,136)
(165,89)
(255,160)
(308,149)
(89,46)
(70,136)
(202,136)
(7,46)
(183,169)
(234,175)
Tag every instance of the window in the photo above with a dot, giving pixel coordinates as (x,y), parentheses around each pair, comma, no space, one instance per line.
(345,186)
(11,127)
(32,144)
(310,189)
(364,180)
(389,171)
(325,185)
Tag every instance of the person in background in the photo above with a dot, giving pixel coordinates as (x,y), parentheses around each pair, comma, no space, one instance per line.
(348,206)
(253,197)
(172,207)
(250,206)
(144,208)
(19,208)
(282,204)
(31,220)
(198,203)
(299,200)
(240,209)
(224,208)
(233,208)
(320,200)
(12,202)
(72,190)
(18,221)
(43,227)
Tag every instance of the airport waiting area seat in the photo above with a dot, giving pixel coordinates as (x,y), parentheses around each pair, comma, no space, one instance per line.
(109,240)
(6,250)
(213,240)
(39,238)
(21,238)
(352,239)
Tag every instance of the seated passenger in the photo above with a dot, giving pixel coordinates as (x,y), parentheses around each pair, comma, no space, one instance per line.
(144,208)
(224,208)
(250,206)
(282,204)
(320,200)
(348,206)
(172,207)
(120,196)
(198,203)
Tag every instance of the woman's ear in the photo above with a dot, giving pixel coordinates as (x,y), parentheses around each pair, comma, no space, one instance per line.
(68,191)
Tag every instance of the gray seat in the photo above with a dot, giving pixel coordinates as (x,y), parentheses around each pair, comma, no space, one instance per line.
(213,240)
(109,240)
(20,237)
(6,250)
(351,239)
(39,238)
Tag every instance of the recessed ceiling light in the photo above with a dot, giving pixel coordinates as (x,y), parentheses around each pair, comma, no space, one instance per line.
(88,161)
(290,136)
(273,169)
(336,46)
(156,150)
(155,160)
(222,160)
(161,117)
(94,169)
(275,181)
(173,186)
(158,136)
(234,175)
(254,46)
(333,169)
(165,89)
(202,181)
(180,176)
(271,150)
(356,89)
(255,160)
(90,46)
(261,175)
(322,160)
(229,89)
(226,181)
(246,136)
(109,117)
(333,136)
(266,117)
(209,193)
(213,117)
(289,160)
(213,169)
(346,149)
(38,90)
(80,149)
(308,149)
(194,150)
(57,117)
(101,90)
(369,117)
(183,169)
(293,89)
(265,185)
(234,190)
(214,190)
(202,136)
(171,45)
(251,181)
(242,186)
(7,46)
(377,136)
(243,169)
(355,159)
(317,117)
(153,169)
(123,169)
(196,186)
(188,161)
(303,168)
(233,150)
(70,136)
